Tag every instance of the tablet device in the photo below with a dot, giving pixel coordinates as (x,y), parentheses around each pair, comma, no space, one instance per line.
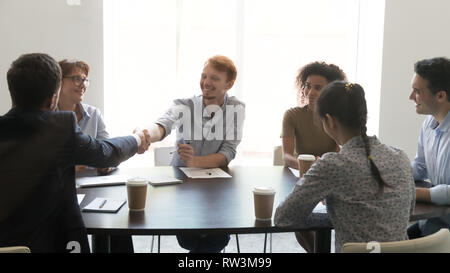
(105,180)
(163,180)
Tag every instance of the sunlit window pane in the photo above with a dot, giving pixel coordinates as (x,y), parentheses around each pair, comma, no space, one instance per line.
(155,51)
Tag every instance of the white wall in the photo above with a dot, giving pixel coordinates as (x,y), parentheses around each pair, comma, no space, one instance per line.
(369,58)
(414,30)
(56,28)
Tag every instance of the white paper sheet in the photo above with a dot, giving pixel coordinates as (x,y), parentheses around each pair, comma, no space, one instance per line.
(320,208)
(204,173)
(80,198)
(295,172)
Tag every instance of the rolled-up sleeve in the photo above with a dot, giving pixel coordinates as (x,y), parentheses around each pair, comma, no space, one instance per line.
(440,194)
(288,126)
(234,133)
(171,116)
(228,149)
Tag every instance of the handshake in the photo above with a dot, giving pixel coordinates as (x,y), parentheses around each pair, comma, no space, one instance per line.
(144,135)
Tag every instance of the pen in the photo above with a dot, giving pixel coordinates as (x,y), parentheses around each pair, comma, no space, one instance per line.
(172,152)
(102,204)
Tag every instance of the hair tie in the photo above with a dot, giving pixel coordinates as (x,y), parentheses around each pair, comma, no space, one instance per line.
(369,157)
(348,87)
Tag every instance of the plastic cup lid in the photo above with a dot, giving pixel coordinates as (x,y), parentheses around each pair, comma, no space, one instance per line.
(306,157)
(264,190)
(137,181)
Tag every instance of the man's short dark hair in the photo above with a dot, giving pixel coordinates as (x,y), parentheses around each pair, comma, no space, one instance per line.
(437,72)
(32,79)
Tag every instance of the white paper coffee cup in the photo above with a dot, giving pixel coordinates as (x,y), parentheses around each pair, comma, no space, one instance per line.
(137,193)
(263,200)
(304,162)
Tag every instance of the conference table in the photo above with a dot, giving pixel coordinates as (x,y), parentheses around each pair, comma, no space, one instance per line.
(210,205)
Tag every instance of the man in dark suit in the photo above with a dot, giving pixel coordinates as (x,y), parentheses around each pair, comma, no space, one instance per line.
(38,151)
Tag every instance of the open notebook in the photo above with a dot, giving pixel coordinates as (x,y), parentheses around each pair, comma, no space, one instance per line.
(105,205)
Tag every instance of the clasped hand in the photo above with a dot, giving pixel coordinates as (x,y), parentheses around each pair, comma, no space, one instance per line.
(145,140)
(186,153)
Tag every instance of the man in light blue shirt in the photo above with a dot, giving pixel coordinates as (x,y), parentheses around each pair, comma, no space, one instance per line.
(431,93)
(213,138)
(209,129)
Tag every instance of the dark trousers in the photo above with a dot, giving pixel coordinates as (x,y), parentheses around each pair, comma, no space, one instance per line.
(204,243)
(414,232)
(431,226)
(121,244)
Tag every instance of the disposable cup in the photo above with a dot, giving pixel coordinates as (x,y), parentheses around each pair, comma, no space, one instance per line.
(137,193)
(304,163)
(263,199)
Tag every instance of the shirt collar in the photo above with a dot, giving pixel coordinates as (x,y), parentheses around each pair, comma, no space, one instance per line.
(223,107)
(84,112)
(18,110)
(357,141)
(444,126)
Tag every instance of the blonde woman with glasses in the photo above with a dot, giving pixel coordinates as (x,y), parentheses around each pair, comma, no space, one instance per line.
(74,84)
(75,81)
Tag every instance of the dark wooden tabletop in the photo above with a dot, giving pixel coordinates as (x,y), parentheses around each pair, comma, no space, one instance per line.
(428,210)
(216,205)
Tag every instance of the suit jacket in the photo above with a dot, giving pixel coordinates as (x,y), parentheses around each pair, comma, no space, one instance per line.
(38,202)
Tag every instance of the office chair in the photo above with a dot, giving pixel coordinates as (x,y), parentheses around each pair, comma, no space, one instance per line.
(278,156)
(438,242)
(15,249)
(163,155)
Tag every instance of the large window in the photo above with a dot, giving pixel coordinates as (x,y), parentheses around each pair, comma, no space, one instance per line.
(155,51)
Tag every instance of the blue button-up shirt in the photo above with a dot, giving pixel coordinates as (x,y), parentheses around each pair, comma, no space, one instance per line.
(206,134)
(433,158)
(91,122)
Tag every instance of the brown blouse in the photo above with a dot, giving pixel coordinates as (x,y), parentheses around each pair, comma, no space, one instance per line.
(309,137)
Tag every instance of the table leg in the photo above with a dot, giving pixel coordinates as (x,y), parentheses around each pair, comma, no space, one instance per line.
(159,243)
(265,242)
(322,243)
(100,243)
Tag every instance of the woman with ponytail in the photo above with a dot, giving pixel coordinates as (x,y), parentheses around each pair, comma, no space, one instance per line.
(300,134)
(368,186)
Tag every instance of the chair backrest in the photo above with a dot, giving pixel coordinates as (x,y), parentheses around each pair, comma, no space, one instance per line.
(438,242)
(278,156)
(163,156)
(15,249)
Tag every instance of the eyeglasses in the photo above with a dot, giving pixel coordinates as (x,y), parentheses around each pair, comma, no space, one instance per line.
(78,81)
